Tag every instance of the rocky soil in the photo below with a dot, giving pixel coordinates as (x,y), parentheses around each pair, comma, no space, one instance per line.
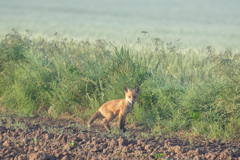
(47,138)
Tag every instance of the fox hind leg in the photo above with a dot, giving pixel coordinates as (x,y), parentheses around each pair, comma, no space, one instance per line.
(108,119)
(106,124)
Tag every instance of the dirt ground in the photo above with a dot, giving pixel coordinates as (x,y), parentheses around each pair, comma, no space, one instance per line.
(48,138)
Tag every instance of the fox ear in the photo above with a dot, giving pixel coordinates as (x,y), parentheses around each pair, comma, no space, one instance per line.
(137,90)
(126,89)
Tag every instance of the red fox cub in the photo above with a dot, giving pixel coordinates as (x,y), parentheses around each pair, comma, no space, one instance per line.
(120,107)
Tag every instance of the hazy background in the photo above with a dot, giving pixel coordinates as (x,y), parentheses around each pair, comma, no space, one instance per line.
(197,23)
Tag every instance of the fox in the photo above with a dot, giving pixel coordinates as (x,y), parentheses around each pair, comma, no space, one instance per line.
(120,107)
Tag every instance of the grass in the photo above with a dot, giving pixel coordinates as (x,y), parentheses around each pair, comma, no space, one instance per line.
(181,89)
(71,143)
(20,125)
(35,141)
(158,155)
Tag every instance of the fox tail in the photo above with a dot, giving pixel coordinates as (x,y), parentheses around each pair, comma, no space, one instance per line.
(94,116)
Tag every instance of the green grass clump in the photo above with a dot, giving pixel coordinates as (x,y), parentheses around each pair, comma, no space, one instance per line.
(180,89)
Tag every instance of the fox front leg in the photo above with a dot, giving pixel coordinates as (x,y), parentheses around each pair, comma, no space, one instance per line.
(121,122)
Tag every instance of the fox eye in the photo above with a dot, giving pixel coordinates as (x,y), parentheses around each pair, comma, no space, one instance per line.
(129,97)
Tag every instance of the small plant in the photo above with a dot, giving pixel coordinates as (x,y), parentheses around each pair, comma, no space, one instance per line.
(20,125)
(127,135)
(71,143)
(145,135)
(33,122)
(191,143)
(43,127)
(207,141)
(35,141)
(8,124)
(115,131)
(195,116)
(143,156)
(59,146)
(234,149)
(60,130)
(158,155)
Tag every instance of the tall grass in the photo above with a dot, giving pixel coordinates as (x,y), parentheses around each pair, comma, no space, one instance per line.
(181,89)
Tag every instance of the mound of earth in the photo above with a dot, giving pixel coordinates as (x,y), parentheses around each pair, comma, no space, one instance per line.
(40,138)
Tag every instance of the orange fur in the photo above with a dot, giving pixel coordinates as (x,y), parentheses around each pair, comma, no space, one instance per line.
(120,107)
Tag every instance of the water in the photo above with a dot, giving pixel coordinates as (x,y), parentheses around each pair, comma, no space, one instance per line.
(197,23)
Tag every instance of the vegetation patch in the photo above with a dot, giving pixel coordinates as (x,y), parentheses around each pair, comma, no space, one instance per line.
(181,89)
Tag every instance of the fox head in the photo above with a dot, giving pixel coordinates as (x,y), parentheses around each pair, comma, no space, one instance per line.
(131,95)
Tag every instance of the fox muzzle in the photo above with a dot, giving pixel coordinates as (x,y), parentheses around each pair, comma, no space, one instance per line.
(130,101)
